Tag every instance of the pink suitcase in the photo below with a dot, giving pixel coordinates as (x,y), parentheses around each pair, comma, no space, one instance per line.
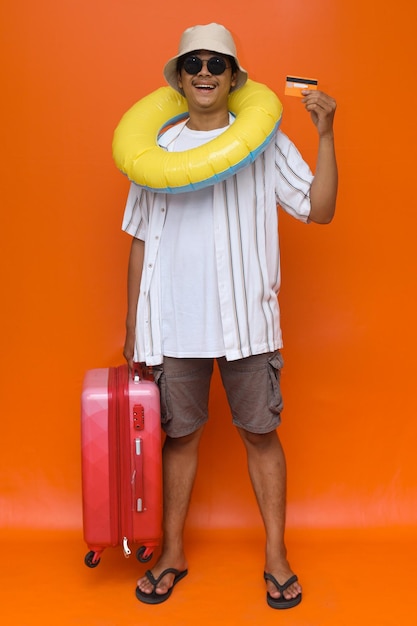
(121,462)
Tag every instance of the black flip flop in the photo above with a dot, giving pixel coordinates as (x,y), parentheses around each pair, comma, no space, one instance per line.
(282,602)
(158,598)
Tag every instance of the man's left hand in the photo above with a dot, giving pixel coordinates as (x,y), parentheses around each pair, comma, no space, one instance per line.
(322,109)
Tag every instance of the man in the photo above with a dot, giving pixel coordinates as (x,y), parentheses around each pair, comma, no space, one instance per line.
(208,263)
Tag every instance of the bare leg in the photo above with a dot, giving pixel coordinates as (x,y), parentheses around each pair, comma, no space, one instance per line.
(267,470)
(180,459)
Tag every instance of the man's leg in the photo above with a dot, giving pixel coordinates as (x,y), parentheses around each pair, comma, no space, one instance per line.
(267,470)
(184,387)
(180,458)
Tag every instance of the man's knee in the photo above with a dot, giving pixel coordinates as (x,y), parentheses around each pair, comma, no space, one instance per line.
(258,440)
(187,441)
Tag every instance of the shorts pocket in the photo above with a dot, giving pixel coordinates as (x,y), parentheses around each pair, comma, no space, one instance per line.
(160,380)
(275,401)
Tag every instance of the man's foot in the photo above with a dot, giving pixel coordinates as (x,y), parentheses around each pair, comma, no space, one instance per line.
(162,579)
(283,588)
(158,598)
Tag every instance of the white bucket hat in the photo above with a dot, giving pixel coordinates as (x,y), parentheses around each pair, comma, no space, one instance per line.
(212,37)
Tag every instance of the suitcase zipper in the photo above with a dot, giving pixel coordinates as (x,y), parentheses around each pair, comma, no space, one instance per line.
(125,460)
(114,455)
(126,550)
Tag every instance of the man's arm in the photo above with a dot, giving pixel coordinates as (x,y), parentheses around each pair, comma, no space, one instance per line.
(323,191)
(134,275)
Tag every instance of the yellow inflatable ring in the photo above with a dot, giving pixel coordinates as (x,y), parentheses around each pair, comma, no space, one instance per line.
(136,153)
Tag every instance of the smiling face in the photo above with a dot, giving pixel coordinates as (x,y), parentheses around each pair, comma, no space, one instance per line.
(207,92)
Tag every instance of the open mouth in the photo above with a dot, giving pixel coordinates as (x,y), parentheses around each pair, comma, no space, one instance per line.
(204,87)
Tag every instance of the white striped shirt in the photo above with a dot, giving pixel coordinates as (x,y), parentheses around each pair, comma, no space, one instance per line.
(246,245)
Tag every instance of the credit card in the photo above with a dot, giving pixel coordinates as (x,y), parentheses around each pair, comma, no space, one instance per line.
(295,84)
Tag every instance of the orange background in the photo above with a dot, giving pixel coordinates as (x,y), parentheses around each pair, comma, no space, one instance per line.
(69,70)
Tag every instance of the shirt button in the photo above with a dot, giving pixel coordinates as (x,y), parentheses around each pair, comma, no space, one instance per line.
(163,209)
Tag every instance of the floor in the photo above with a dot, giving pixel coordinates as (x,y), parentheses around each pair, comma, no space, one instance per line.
(349,578)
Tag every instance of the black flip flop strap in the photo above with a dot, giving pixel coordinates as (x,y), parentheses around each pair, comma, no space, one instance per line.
(281,588)
(154,581)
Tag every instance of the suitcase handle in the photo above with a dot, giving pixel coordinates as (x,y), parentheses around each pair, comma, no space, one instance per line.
(141,371)
(138,482)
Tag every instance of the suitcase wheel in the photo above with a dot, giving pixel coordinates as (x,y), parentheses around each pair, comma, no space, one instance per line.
(144,554)
(91,559)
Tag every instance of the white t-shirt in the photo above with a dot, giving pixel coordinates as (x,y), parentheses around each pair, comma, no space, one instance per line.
(191,323)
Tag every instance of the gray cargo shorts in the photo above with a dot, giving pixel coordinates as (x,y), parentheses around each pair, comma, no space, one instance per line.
(252,387)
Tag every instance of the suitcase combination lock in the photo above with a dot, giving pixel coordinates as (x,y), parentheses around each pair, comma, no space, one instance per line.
(138,417)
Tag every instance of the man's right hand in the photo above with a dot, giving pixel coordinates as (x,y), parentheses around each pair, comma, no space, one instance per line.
(129,347)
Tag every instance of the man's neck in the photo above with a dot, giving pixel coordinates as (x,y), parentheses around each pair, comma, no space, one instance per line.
(208,121)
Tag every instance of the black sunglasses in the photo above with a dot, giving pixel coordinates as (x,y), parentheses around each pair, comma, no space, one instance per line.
(215,65)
